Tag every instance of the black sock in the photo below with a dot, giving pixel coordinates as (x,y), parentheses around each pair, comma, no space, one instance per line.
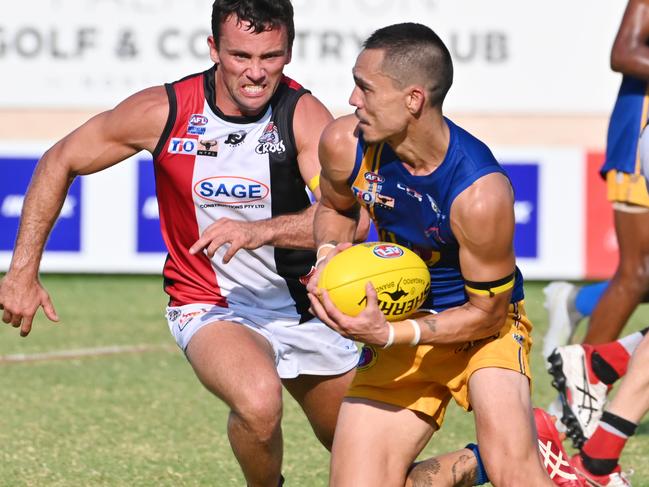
(604,466)
(603,369)
(598,466)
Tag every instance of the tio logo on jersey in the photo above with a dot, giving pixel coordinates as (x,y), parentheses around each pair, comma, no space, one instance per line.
(182,146)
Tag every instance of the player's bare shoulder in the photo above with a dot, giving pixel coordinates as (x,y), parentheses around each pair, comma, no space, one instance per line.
(140,118)
(309,119)
(338,143)
(484,210)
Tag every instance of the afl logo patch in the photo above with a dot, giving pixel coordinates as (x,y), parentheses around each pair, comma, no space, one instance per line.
(372,177)
(231,190)
(197,123)
(198,120)
(367,358)
(386,251)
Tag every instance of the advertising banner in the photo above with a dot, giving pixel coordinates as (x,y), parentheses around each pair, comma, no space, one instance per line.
(512,57)
(110,222)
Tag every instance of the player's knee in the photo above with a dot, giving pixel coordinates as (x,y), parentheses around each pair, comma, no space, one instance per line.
(635,275)
(260,410)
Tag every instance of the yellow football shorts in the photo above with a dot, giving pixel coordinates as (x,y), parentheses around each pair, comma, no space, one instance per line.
(627,188)
(424,378)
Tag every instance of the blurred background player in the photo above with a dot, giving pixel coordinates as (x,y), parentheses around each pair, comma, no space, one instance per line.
(583,377)
(584,374)
(401,157)
(237,307)
(610,304)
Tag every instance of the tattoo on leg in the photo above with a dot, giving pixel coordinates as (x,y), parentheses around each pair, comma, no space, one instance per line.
(424,473)
(463,475)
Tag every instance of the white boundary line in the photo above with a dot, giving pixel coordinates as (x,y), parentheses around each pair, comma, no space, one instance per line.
(83,352)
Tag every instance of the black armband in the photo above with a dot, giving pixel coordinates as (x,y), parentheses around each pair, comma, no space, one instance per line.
(491,288)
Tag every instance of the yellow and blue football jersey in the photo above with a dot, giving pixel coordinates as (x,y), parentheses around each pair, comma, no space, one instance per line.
(414,211)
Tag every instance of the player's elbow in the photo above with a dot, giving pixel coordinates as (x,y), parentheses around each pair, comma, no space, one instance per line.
(617,65)
(622,60)
(56,160)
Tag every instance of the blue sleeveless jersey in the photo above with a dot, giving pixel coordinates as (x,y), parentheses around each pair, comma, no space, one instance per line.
(414,211)
(628,119)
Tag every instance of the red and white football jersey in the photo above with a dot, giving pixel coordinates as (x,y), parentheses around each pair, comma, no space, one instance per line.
(210,165)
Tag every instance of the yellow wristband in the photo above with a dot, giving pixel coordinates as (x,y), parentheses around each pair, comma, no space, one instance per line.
(314,182)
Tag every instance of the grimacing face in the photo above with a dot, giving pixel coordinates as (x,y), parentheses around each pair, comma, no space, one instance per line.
(250,66)
(380,104)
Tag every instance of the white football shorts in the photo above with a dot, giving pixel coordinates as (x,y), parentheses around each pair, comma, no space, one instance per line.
(310,348)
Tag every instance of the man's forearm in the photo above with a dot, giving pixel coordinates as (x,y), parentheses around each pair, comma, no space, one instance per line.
(331,226)
(41,207)
(291,231)
(461,324)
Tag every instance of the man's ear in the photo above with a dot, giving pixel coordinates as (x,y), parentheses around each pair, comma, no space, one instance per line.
(214,52)
(415,99)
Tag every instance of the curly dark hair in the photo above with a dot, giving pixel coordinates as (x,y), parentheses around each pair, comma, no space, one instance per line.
(260,14)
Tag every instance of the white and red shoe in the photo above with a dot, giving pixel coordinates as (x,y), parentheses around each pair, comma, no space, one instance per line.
(582,397)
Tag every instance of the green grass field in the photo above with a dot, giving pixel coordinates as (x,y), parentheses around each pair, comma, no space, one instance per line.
(142,418)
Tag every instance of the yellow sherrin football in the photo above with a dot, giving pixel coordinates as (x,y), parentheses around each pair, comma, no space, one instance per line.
(400,277)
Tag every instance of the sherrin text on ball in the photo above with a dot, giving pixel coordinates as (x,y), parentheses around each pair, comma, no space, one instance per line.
(400,277)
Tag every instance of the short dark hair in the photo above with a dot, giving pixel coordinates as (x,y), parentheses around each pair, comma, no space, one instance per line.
(260,14)
(413,52)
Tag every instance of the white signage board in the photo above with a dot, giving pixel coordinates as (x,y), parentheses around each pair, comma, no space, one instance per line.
(510,57)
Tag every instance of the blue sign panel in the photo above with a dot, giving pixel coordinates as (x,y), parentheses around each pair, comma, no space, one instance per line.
(15,174)
(149,238)
(525,179)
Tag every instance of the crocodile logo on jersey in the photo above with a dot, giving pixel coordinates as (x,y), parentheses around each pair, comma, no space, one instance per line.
(210,148)
(231,190)
(236,138)
(270,141)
